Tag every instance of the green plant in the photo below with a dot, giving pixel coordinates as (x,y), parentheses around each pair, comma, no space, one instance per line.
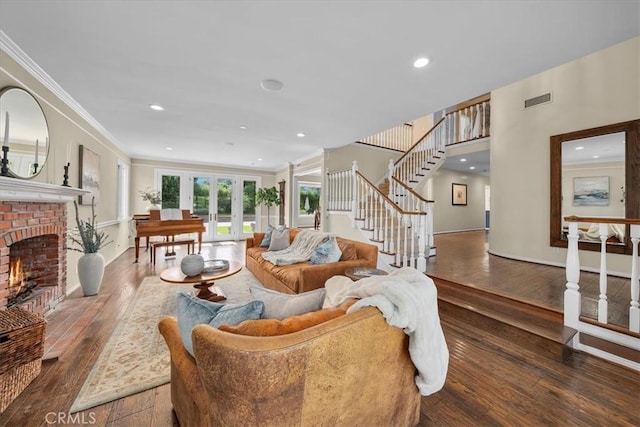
(88,239)
(151,196)
(268,197)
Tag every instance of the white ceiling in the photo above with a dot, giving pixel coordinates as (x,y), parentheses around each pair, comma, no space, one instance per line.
(346,66)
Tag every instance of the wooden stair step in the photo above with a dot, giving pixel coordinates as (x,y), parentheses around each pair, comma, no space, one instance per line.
(536,328)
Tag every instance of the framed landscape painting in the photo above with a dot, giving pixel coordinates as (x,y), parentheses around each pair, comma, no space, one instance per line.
(591,191)
(89,175)
(459,194)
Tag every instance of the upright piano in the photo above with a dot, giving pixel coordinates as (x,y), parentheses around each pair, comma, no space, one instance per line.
(148,225)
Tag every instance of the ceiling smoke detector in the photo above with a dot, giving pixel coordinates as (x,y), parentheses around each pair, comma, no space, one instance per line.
(272,85)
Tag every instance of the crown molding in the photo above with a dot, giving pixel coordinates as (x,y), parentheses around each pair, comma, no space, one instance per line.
(30,66)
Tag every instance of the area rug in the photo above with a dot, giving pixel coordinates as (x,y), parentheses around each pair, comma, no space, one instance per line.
(136,357)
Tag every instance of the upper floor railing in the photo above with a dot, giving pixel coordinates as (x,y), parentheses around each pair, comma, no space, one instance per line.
(573,299)
(468,123)
(398,138)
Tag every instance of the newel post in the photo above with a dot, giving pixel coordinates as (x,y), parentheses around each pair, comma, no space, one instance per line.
(354,193)
(572,293)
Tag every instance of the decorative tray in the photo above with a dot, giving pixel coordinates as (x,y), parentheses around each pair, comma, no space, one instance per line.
(214,265)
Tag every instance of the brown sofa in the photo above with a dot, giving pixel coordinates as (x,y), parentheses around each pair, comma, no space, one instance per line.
(353,369)
(304,276)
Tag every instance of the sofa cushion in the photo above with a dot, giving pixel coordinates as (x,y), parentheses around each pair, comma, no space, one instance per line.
(273,327)
(279,239)
(326,252)
(348,250)
(278,305)
(192,311)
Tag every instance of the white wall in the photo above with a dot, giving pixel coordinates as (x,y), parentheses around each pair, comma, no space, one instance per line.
(599,89)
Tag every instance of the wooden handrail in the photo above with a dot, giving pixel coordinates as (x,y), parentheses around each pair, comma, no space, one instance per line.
(625,221)
(469,103)
(419,141)
(411,190)
(384,196)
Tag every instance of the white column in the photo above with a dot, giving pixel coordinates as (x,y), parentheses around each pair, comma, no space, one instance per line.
(572,293)
(634,311)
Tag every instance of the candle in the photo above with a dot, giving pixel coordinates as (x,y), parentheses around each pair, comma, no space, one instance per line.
(5,143)
(36,157)
(68,151)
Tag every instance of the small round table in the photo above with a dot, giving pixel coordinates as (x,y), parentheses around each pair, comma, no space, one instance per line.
(202,281)
(358,273)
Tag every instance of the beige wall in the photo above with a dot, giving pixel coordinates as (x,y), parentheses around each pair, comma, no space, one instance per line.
(446,216)
(372,162)
(596,90)
(67,128)
(143,176)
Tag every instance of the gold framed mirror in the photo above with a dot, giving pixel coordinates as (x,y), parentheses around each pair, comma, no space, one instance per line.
(28,133)
(595,173)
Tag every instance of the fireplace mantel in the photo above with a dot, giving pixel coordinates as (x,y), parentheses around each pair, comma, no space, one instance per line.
(20,190)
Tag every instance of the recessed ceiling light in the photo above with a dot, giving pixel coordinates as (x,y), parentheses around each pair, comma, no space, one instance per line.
(300,135)
(463,160)
(272,85)
(472,167)
(156,107)
(580,148)
(243,127)
(169,148)
(260,159)
(421,62)
(596,156)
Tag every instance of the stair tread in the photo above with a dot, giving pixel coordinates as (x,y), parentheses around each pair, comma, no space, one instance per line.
(537,320)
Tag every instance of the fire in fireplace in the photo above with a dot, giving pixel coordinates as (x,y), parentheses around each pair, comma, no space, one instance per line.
(21,287)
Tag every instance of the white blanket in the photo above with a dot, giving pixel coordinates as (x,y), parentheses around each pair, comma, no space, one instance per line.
(300,250)
(407,299)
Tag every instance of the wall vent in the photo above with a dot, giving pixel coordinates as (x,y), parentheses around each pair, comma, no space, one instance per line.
(542,99)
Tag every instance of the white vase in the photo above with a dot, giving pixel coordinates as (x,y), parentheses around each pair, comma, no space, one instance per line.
(192,265)
(153,207)
(90,272)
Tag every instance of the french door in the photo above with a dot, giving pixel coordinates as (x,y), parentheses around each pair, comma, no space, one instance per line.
(226,203)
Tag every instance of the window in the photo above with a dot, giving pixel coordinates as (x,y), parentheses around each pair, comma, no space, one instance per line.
(309,198)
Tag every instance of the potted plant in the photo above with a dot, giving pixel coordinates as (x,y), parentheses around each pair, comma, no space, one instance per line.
(268,197)
(151,196)
(89,241)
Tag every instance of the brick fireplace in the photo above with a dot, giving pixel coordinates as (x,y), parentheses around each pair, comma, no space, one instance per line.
(33,226)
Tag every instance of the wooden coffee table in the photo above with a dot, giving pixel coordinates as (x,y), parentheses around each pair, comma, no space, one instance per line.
(202,281)
(352,273)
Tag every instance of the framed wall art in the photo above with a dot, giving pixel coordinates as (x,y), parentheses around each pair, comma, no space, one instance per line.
(591,191)
(89,175)
(459,194)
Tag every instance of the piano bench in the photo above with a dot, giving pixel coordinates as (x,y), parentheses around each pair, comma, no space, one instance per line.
(191,247)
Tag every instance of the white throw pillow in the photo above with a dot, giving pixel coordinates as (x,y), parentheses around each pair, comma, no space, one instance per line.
(278,305)
(279,240)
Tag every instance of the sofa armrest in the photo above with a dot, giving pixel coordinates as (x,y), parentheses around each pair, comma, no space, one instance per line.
(182,361)
(314,276)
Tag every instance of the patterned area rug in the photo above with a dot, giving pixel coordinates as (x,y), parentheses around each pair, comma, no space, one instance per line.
(136,357)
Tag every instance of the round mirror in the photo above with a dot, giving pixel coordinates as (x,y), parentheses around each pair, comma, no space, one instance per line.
(24,131)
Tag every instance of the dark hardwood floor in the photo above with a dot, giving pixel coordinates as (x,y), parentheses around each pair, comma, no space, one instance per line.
(491,381)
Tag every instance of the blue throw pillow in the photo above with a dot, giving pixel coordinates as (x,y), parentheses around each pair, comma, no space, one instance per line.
(326,252)
(192,311)
(266,240)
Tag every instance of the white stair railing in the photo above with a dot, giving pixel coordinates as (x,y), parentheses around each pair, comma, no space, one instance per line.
(573,298)
(405,235)
(424,157)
